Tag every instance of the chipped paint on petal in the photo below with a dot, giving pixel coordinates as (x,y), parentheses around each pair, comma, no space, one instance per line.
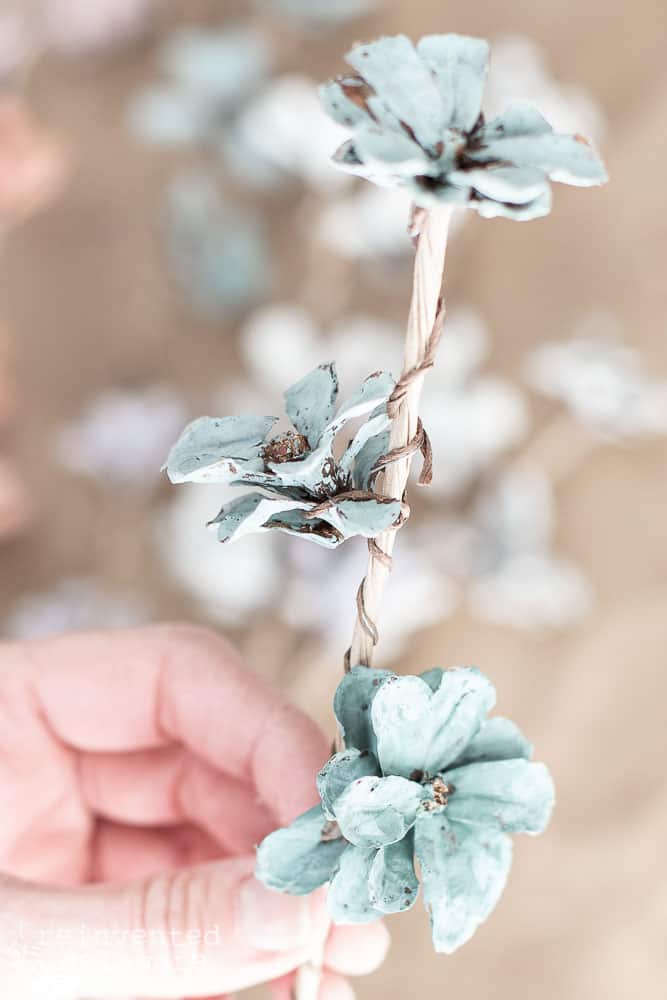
(373,811)
(393,886)
(422,730)
(464,872)
(348,901)
(514,796)
(310,402)
(340,771)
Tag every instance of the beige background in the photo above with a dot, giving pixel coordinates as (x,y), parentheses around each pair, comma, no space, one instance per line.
(84,292)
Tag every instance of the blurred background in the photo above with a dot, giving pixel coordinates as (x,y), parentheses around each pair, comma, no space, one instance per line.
(175,242)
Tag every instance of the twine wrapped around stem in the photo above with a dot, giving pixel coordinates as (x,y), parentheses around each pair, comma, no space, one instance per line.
(408,436)
(421,342)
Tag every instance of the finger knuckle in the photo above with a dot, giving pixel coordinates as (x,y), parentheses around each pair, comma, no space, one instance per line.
(178,636)
(172,910)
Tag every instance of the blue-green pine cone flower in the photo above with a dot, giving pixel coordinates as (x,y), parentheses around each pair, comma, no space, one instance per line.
(424,774)
(304,487)
(416,121)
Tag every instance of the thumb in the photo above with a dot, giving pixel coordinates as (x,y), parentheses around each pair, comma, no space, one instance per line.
(199,931)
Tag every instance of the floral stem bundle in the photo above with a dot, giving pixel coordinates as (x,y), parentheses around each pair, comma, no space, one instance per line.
(419,771)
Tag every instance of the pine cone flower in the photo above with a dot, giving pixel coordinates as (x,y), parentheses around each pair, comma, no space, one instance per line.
(304,487)
(424,773)
(416,121)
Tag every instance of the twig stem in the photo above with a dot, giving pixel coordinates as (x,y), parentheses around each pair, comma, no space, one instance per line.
(309,975)
(426,314)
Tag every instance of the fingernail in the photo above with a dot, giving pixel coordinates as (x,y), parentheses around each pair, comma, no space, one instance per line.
(273,921)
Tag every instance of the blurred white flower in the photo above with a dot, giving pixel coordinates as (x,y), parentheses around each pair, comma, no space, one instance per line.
(603,383)
(471,418)
(502,555)
(72,604)
(230,583)
(369,223)
(319,594)
(519,72)
(281,342)
(277,344)
(284,133)
(123,436)
(532,591)
(363,344)
(211,74)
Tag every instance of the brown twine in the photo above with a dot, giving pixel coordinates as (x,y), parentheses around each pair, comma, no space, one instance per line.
(420,442)
(330,502)
(326,505)
(402,387)
(426,449)
(418,216)
(379,554)
(366,622)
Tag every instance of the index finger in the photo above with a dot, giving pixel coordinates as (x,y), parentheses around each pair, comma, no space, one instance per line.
(149,687)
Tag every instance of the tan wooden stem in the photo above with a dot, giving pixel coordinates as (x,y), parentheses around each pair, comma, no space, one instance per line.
(426,313)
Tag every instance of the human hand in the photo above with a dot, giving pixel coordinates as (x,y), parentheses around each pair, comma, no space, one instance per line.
(137,771)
